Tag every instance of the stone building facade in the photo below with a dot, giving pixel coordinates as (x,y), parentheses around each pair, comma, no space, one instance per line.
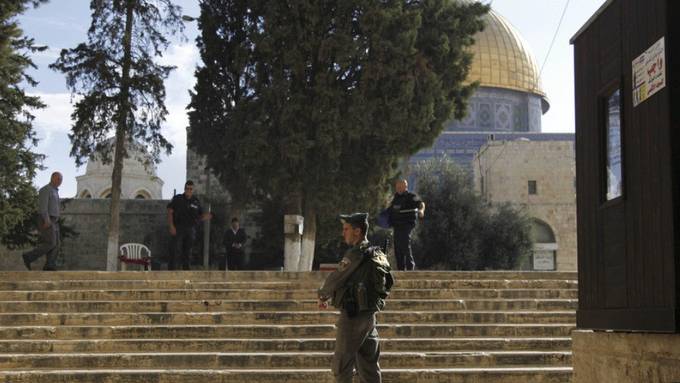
(541,177)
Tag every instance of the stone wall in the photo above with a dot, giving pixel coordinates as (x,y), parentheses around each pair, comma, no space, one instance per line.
(142,221)
(502,171)
(625,357)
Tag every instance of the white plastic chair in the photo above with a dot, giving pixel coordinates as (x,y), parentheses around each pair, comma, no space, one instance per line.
(136,254)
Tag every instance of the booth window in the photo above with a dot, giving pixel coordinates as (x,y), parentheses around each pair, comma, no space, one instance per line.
(614,163)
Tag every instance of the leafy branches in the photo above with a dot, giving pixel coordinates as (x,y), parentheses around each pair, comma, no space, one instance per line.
(17,137)
(318,101)
(95,71)
(461,231)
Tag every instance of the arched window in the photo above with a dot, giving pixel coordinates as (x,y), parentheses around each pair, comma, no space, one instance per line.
(105,194)
(85,194)
(544,253)
(541,232)
(142,194)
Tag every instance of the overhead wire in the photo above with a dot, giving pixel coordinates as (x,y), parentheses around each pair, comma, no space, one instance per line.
(557,30)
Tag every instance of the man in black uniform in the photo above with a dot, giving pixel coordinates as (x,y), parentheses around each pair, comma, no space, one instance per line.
(404,210)
(184,212)
(354,292)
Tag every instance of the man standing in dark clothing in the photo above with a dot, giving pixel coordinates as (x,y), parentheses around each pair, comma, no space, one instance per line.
(184,212)
(48,225)
(357,343)
(234,240)
(404,210)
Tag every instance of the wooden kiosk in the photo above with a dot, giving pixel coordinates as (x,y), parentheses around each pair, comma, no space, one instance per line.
(627,86)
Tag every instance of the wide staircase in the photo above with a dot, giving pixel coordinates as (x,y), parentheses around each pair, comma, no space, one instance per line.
(205,327)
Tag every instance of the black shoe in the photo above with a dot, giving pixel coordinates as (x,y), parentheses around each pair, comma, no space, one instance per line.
(27,263)
(49,269)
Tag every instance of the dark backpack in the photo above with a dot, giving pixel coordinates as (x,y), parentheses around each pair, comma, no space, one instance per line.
(370,284)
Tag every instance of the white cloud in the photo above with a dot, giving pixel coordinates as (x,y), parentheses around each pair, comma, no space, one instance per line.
(185,57)
(55,118)
(69,24)
(49,54)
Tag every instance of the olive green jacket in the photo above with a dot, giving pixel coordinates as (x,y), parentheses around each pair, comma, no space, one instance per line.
(349,263)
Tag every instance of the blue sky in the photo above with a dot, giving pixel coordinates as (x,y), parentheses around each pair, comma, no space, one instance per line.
(63,24)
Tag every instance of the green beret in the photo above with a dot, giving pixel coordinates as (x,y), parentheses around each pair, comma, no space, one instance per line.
(354,218)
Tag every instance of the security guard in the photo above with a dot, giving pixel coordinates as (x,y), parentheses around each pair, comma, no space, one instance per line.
(184,212)
(356,339)
(403,211)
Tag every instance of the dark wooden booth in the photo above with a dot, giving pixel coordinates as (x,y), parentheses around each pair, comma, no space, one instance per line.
(627,87)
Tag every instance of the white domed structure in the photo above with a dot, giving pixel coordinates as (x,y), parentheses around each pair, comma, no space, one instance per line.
(139,177)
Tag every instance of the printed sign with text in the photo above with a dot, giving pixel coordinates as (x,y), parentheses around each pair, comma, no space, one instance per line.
(649,72)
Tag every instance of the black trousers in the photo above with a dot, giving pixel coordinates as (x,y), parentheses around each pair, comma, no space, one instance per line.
(180,248)
(402,247)
(234,259)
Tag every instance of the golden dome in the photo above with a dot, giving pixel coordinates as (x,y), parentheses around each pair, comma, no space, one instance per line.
(502,59)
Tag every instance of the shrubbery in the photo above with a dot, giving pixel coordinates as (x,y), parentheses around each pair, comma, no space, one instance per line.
(460,230)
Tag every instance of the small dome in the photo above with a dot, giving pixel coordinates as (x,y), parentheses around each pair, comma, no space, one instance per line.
(138,161)
(502,59)
(139,175)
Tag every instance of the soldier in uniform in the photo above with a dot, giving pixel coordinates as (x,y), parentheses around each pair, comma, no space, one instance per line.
(357,341)
(404,209)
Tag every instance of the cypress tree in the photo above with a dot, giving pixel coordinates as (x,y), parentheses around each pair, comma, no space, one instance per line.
(317,101)
(17,136)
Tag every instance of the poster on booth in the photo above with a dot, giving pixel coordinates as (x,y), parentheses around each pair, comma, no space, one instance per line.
(649,72)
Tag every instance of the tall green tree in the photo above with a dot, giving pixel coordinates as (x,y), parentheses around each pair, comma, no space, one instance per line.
(120,87)
(318,100)
(461,231)
(17,136)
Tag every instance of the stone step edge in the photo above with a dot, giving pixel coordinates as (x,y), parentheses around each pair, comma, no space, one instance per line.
(461,339)
(300,312)
(384,340)
(301,325)
(267,290)
(283,353)
(213,300)
(508,370)
(276,275)
(276,281)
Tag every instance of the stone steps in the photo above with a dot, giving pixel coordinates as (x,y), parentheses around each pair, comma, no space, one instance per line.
(277,318)
(213,305)
(410,375)
(279,360)
(206,327)
(280,331)
(281,276)
(278,345)
(284,285)
(252,294)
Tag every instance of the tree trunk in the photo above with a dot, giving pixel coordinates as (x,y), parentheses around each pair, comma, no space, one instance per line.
(112,251)
(308,240)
